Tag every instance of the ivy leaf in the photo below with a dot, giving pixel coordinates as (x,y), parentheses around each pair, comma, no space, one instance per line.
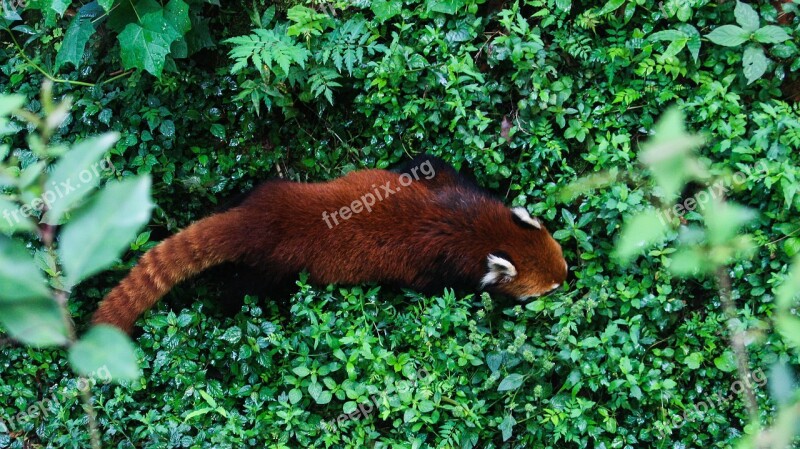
(755,63)
(746,16)
(729,35)
(105,349)
(511,382)
(74,44)
(98,233)
(771,34)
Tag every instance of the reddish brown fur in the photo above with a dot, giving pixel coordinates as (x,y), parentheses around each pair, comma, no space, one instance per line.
(430,234)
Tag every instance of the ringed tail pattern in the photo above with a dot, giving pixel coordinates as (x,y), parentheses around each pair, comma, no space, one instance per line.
(190,251)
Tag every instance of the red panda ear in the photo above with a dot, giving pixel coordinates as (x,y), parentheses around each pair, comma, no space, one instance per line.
(500,270)
(524,218)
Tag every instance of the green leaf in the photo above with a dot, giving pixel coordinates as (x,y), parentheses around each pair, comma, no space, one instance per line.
(694,360)
(27,310)
(611,6)
(729,35)
(790,287)
(507,427)
(10,103)
(726,362)
(74,44)
(106,4)
(19,276)
(105,349)
(386,9)
(666,153)
(723,220)
(666,35)
(146,44)
(639,232)
(295,395)
(791,246)
(444,6)
(76,174)
(746,16)
(694,42)
(771,34)
(511,382)
(98,233)
(755,63)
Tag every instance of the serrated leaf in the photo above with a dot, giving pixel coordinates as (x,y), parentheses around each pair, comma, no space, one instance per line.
(105,348)
(771,34)
(746,16)
(511,382)
(729,35)
(99,232)
(754,63)
(72,48)
(146,44)
(76,174)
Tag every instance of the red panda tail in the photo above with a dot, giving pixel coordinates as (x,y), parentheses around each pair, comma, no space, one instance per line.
(200,246)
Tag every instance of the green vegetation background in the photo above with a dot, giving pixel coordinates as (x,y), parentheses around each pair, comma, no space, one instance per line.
(527,96)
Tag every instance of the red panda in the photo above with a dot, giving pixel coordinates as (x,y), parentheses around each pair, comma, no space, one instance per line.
(423,226)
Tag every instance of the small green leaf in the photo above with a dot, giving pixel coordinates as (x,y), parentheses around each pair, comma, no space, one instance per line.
(771,34)
(746,16)
(507,427)
(511,382)
(726,362)
(694,360)
(724,219)
(100,231)
(295,395)
(105,348)
(729,35)
(755,63)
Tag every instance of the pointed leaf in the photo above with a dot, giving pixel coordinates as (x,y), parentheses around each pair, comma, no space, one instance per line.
(755,63)
(74,44)
(746,16)
(105,349)
(729,35)
(98,233)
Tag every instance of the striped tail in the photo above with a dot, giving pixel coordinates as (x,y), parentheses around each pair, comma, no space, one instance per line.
(206,243)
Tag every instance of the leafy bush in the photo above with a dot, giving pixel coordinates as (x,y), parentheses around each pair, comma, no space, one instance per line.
(540,100)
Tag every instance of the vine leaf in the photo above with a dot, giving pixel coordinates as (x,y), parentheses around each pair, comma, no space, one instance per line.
(146,44)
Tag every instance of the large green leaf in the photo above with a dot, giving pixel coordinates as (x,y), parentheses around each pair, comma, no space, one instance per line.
(729,35)
(104,351)
(98,233)
(754,62)
(74,44)
(386,9)
(27,310)
(75,175)
(771,34)
(146,44)
(746,16)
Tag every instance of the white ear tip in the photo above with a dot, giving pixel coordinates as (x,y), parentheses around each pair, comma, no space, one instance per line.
(525,217)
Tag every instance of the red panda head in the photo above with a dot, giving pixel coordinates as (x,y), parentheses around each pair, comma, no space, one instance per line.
(528,262)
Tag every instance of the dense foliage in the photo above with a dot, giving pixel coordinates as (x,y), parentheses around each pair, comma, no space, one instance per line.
(528,96)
